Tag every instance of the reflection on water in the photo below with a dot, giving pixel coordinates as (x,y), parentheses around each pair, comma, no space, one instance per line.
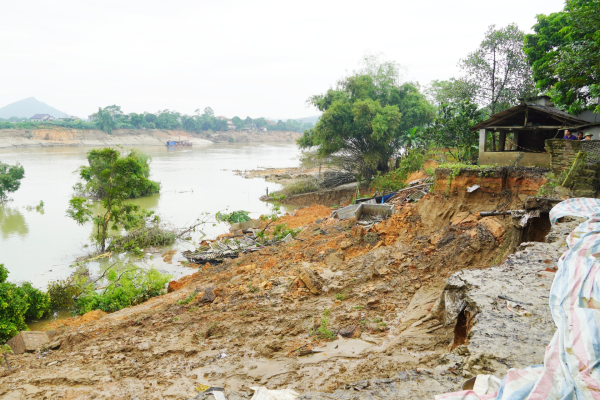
(12,222)
(60,314)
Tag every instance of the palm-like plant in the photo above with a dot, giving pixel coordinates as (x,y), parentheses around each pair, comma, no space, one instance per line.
(412,138)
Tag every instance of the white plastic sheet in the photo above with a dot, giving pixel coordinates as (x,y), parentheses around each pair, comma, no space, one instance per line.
(571,367)
(262,393)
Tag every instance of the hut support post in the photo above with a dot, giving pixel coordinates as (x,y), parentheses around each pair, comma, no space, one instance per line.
(501,141)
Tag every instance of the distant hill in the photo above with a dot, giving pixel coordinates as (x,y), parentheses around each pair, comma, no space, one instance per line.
(27,108)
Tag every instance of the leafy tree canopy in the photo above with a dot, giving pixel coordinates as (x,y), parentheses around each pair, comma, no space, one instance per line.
(364,117)
(564,53)
(497,72)
(113,178)
(450,129)
(10,179)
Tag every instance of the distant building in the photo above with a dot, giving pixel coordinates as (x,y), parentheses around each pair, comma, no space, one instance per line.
(73,118)
(222,118)
(42,117)
(92,117)
(263,129)
(271,122)
(230,125)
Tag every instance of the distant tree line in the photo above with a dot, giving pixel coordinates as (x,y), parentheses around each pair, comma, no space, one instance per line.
(112,117)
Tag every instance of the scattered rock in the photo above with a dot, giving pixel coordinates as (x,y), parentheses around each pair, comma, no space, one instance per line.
(311,279)
(333,260)
(348,331)
(208,295)
(345,244)
(28,341)
(464,217)
(173,286)
(372,302)
(492,226)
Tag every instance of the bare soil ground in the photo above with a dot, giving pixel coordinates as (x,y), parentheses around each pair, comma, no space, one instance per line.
(263,318)
(282,175)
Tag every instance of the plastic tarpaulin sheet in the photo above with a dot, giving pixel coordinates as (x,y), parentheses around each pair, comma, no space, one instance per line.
(571,368)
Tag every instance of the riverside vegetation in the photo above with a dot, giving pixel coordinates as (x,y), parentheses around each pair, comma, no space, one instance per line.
(111,178)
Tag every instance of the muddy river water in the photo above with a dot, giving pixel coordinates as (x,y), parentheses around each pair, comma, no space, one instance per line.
(39,245)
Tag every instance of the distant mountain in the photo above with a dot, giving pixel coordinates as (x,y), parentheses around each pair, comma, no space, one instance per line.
(27,108)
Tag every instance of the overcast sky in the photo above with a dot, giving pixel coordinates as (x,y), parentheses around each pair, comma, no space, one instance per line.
(247,58)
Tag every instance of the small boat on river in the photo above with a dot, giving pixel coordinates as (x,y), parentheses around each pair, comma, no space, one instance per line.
(172,143)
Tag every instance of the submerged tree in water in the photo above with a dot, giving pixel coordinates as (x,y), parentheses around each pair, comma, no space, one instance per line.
(10,179)
(113,178)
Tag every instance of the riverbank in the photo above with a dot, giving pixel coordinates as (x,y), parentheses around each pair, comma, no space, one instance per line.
(341,308)
(18,138)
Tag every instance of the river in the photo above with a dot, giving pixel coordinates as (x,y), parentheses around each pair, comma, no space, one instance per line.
(40,245)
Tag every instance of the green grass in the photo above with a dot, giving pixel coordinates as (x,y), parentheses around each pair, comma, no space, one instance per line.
(323,330)
(300,186)
(188,299)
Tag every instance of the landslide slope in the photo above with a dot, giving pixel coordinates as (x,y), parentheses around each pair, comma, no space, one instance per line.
(339,305)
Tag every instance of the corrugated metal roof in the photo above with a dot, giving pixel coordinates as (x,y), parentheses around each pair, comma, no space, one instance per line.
(39,116)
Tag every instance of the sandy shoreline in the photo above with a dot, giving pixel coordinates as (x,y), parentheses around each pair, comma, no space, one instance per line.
(19,138)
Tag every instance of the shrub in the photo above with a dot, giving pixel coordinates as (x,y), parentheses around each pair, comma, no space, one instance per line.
(18,303)
(145,235)
(395,180)
(125,288)
(389,182)
(64,292)
(233,217)
(38,302)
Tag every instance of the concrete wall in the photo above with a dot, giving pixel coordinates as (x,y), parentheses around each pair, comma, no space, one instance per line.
(516,158)
(508,158)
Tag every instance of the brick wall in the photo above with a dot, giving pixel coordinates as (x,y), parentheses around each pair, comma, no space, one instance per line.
(563,152)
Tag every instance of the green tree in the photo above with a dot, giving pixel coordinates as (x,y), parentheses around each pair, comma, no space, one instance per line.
(10,179)
(113,178)
(498,70)
(104,120)
(564,53)
(450,129)
(450,91)
(137,120)
(362,121)
(150,118)
(209,112)
(238,122)
(168,120)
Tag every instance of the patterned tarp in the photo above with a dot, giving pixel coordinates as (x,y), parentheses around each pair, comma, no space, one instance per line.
(571,363)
